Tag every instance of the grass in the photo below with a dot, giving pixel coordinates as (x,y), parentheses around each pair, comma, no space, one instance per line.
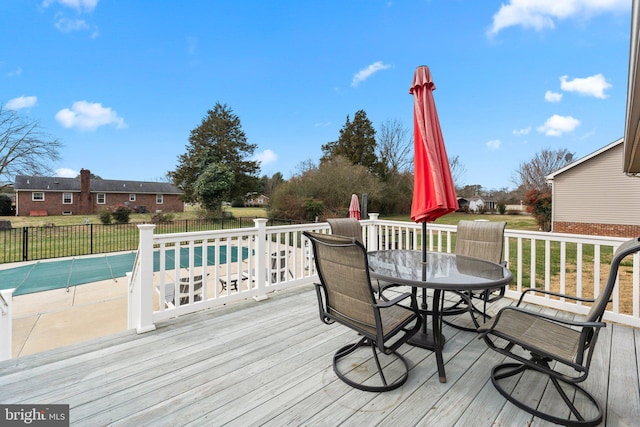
(189,213)
(516,222)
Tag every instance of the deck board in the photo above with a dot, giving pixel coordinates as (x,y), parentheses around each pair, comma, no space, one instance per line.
(270,363)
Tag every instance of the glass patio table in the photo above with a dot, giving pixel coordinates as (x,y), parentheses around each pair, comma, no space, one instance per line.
(440,272)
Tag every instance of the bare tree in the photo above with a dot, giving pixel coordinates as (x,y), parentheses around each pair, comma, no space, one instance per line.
(25,149)
(394,148)
(531,175)
(458,170)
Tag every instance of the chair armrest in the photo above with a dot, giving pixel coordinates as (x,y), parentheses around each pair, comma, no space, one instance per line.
(484,331)
(557,294)
(394,301)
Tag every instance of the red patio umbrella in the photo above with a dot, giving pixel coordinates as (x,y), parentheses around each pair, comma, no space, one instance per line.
(354,207)
(434,194)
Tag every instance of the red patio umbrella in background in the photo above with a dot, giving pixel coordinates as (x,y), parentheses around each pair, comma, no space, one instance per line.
(354,207)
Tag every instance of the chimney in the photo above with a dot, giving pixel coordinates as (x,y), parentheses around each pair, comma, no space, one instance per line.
(85,205)
(85,181)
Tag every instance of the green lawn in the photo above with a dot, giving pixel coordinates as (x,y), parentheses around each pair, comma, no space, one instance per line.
(190,213)
(516,222)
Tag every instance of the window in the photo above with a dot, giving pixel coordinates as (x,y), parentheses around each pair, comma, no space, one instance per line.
(132,197)
(159,199)
(37,196)
(101,198)
(67,198)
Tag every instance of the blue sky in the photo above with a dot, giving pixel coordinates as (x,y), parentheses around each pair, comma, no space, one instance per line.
(122,83)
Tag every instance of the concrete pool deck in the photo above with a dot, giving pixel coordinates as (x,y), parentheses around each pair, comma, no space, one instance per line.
(56,318)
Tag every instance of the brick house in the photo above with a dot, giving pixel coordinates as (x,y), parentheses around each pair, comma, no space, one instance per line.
(593,196)
(39,195)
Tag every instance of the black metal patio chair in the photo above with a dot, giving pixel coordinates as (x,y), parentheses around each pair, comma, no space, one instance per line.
(558,348)
(345,296)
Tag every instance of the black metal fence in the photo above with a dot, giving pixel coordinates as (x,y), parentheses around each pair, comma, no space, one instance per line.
(33,243)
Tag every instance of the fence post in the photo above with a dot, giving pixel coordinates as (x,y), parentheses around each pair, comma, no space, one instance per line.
(25,243)
(260,258)
(143,283)
(6,328)
(372,233)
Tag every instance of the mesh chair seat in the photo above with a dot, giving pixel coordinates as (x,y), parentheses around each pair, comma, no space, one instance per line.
(538,334)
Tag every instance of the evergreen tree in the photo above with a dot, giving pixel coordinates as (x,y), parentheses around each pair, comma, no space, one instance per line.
(218,140)
(357,143)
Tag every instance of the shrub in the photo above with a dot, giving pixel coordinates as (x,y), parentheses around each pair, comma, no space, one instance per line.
(502,208)
(160,216)
(121,214)
(539,205)
(313,208)
(105,217)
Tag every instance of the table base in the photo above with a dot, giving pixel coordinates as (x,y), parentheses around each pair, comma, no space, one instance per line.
(422,340)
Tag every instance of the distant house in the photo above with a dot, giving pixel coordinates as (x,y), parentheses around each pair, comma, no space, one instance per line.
(39,195)
(593,196)
(257,200)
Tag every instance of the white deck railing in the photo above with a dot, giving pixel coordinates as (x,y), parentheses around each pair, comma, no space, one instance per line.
(569,263)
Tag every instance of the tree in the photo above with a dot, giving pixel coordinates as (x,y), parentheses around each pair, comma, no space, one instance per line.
(395,150)
(328,186)
(457,170)
(25,149)
(268,185)
(539,205)
(357,143)
(213,187)
(532,175)
(218,140)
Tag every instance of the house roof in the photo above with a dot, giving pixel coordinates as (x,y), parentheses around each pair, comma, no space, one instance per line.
(46,183)
(581,160)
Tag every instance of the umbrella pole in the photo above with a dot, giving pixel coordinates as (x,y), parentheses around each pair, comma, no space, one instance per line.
(424,273)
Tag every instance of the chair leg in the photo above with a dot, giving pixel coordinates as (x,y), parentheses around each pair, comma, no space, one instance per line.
(456,309)
(386,386)
(508,370)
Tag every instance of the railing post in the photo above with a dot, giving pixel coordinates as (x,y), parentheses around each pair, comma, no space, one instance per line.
(143,283)
(6,328)
(372,233)
(260,259)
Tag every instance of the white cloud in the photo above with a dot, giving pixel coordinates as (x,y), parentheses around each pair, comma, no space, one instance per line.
(79,5)
(66,173)
(494,144)
(557,125)
(364,74)
(22,102)
(66,25)
(542,14)
(84,115)
(15,73)
(590,86)
(266,157)
(521,132)
(552,96)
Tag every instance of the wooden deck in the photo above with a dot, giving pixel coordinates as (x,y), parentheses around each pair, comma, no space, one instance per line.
(269,363)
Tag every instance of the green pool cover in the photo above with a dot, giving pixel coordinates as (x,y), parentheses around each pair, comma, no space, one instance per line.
(44,276)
